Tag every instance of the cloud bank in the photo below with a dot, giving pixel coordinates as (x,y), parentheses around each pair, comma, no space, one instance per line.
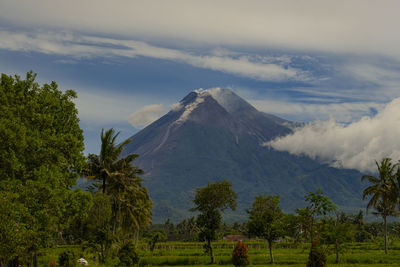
(334,26)
(146,115)
(345,112)
(84,46)
(355,146)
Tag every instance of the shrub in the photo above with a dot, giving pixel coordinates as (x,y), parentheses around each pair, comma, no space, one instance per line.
(240,255)
(127,254)
(317,257)
(67,259)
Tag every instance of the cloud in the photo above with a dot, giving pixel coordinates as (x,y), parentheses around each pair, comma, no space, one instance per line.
(99,107)
(356,145)
(83,46)
(146,115)
(345,112)
(334,26)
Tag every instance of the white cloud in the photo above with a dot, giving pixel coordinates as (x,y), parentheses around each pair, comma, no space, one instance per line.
(103,108)
(335,26)
(356,145)
(343,112)
(146,115)
(81,46)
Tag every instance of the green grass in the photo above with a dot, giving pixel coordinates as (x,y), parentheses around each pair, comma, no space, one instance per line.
(191,254)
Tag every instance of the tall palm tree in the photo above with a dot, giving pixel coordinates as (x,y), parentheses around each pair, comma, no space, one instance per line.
(383,192)
(131,204)
(128,194)
(101,166)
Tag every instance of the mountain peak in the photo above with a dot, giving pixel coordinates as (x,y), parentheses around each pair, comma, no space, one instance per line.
(213,134)
(225,97)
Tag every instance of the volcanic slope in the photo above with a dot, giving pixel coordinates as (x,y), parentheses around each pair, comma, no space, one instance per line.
(214,134)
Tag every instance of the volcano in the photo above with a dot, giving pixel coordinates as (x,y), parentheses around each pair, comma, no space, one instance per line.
(214,134)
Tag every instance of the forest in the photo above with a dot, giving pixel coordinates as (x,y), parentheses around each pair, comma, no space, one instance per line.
(45,221)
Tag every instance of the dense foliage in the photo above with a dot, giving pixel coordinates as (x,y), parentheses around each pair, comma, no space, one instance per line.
(40,158)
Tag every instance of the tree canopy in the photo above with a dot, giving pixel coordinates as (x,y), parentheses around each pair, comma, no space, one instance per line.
(265,220)
(210,201)
(40,158)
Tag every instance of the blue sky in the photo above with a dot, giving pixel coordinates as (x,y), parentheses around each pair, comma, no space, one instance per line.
(132,60)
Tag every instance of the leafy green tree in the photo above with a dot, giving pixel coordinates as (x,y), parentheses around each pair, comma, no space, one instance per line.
(292,226)
(158,235)
(383,192)
(210,201)
(318,205)
(336,231)
(42,156)
(76,213)
(99,224)
(14,228)
(266,220)
(305,223)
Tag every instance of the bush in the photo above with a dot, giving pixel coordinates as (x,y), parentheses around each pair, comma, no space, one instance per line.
(317,257)
(67,259)
(240,256)
(127,254)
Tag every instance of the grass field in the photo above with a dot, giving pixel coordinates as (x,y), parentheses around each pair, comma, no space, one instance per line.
(191,253)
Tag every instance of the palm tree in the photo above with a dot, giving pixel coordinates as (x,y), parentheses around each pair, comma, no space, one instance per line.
(128,194)
(383,190)
(121,182)
(101,166)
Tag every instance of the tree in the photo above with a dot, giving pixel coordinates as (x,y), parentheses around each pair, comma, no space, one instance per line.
(128,255)
(265,220)
(99,226)
(100,166)
(318,205)
(383,192)
(158,235)
(76,213)
(42,156)
(210,201)
(292,226)
(335,231)
(14,228)
(131,204)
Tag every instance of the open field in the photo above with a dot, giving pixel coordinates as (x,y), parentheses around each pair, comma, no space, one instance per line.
(191,253)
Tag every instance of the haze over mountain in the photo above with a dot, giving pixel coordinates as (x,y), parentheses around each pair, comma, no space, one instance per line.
(214,134)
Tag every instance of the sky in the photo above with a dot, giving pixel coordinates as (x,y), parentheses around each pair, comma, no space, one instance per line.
(332,64)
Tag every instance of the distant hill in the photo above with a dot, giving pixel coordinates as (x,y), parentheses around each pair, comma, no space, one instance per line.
(215,134)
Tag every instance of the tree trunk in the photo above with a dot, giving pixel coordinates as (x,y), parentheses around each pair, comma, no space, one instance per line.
(103,253)
(211,251)
(14,262)
(337,250)
(35,259)
(104,184)
(386,236)
(271,256)
(119,215)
